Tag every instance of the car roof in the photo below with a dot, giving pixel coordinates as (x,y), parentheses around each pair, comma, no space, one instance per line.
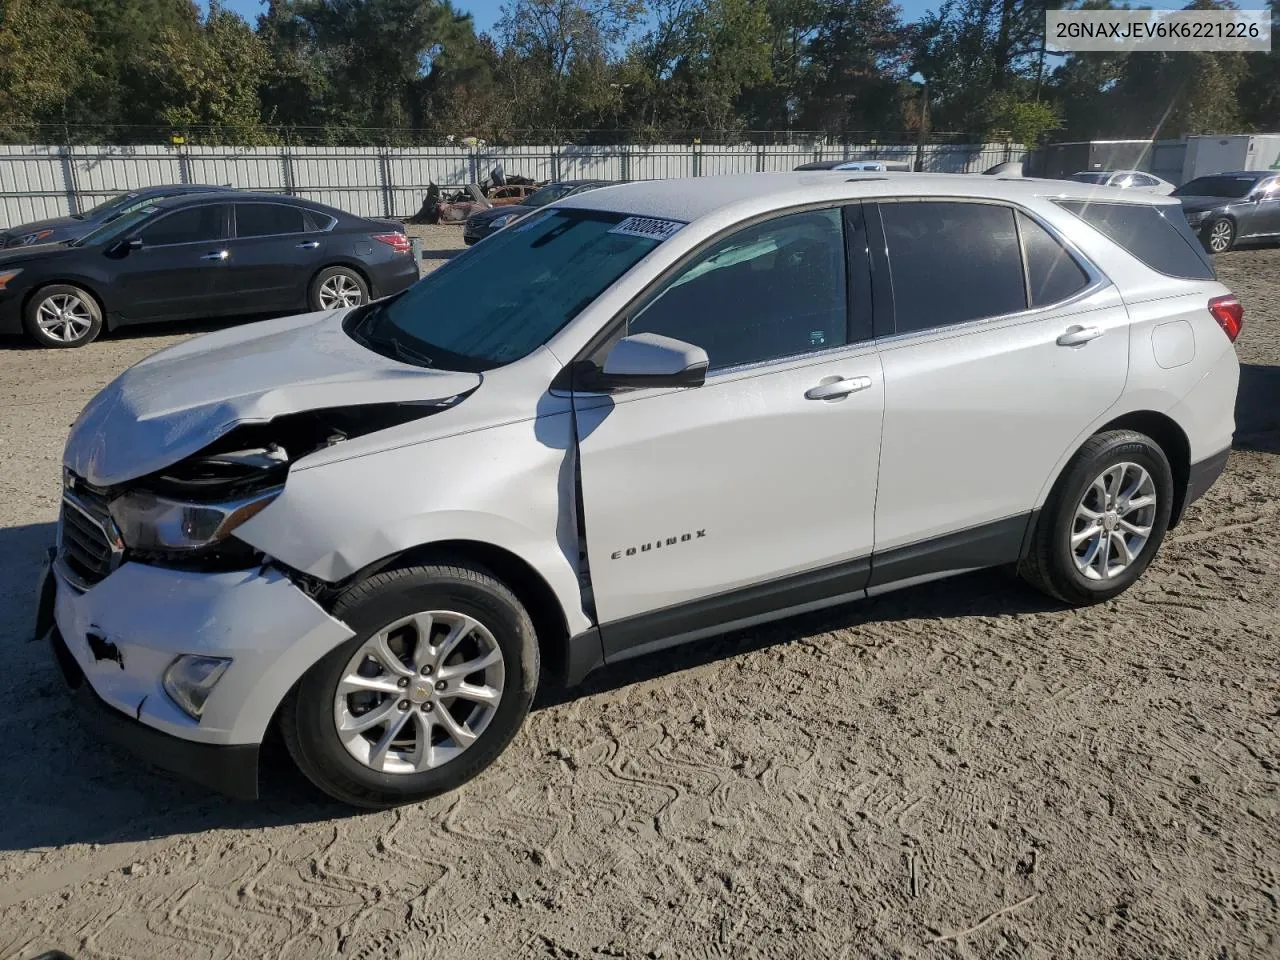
(1246,174)
(179,200)
(690,199)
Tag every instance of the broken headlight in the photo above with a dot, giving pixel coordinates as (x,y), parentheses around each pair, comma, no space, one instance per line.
(190,679)
(152,523)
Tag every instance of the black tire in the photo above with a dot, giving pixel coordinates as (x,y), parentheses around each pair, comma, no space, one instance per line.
(1051,561)
(306,717)
(75,332)
(329,276)
(1219,235)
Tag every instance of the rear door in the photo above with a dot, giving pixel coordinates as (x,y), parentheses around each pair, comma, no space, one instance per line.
(175,272)
(275,252)
(991,373)
(1268,210)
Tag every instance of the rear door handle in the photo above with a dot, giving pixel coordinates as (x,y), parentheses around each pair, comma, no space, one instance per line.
(216,255)
(308,244)
(1077,336)
(834,388)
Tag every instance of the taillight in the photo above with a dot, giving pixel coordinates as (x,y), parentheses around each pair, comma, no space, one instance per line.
(1230,315)
(396,241)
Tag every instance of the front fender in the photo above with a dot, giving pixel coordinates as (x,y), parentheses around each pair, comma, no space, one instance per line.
(510,486)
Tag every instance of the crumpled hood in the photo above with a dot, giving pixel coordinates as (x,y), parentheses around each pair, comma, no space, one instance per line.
(178,401)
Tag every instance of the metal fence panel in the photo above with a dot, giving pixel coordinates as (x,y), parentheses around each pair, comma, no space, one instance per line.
(249,168)
(343,177)
(34,184)
(45,181)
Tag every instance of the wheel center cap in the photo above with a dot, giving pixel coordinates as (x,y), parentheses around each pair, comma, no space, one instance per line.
(1109,521)
(420,691)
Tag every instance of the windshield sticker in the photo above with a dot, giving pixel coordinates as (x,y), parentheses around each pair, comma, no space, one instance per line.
(648,227)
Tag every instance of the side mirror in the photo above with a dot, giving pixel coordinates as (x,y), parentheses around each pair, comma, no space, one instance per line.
(650,360)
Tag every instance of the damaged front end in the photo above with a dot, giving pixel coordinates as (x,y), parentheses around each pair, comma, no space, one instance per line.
(184,516)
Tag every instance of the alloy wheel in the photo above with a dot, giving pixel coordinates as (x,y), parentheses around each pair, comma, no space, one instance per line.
(340,290)
(1220,237)
(419,692)
(65,317)
(1113,521)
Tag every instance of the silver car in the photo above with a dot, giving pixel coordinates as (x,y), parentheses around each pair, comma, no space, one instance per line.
(643,415)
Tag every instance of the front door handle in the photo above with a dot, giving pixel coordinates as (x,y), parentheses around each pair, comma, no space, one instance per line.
(833,388)
(1077,335)
(216,255)
(308,244)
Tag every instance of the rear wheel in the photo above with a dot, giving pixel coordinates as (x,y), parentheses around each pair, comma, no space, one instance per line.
(437,680)
(1103,521)
(335,288)
(62,315)
(1220,235)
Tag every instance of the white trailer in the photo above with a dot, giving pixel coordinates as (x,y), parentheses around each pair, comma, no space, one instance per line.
(1209,154)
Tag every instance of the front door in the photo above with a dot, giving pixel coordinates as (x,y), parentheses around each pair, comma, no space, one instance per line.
(174,273)
(755,492)
(1005,347)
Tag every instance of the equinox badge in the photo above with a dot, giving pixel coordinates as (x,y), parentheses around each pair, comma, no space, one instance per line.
(657,544)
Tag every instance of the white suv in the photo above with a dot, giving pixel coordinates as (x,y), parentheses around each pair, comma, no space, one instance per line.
(644,415)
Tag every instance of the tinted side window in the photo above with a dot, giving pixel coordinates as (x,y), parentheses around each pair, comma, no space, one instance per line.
(192,225)
(1140,180)
(1053,275)
(1158,236)
(267,220)
(773,290)
(952,262)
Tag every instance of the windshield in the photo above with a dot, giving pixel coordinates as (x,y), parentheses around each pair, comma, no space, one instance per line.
(109,231)
(1090,177)
(504,298)
(548,194)
(107,206)
(1230,187)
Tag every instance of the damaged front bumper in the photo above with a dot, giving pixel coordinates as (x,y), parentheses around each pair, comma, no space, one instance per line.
(114,641)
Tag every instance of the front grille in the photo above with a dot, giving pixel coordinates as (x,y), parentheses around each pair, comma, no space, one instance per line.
(90,547)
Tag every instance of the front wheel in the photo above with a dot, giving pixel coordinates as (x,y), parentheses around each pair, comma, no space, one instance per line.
(62,315)
(1220,235)
(337,287)
(1103,521)
(435,683)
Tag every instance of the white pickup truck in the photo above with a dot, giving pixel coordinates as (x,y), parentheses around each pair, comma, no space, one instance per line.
(640,416)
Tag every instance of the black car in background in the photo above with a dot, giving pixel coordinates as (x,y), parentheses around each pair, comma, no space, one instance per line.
(60,229)
(201,256)
(1225,208)
(480,225)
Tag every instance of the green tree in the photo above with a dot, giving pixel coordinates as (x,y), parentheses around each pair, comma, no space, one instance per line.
(209,77)
(857,59)
(42,44)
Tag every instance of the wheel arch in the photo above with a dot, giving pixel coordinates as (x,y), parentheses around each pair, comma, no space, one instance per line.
(1160,427)
(520,577)
(350,264)
(1172,439)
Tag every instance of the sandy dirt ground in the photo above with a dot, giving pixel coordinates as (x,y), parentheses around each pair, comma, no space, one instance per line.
(958,770)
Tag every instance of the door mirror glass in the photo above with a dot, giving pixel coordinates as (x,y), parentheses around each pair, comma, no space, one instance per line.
(651,360)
